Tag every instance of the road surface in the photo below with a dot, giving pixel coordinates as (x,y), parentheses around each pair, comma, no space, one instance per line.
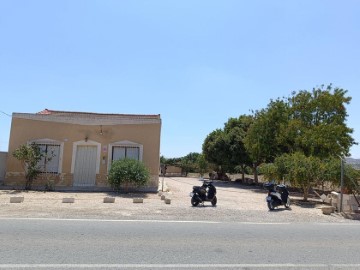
(121,244)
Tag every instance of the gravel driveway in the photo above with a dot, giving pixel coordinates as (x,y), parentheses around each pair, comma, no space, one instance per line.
(236,203)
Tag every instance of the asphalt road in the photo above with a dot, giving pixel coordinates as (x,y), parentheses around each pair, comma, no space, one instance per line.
(107,244)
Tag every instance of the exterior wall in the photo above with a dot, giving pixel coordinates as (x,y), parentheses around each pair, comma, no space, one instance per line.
(26,130)
(173,170)
(3,156)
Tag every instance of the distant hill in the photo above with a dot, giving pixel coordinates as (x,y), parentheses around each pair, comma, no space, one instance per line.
(354,162)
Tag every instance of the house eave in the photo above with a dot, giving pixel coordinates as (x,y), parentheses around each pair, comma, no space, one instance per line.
(91,119)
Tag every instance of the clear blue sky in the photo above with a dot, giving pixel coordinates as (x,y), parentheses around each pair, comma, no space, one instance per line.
(196,63)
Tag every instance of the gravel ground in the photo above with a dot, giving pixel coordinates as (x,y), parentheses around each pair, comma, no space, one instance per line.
(236,203)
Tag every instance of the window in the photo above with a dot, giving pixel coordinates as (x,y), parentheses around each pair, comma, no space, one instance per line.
(121,152)
(124,149)
(50,159)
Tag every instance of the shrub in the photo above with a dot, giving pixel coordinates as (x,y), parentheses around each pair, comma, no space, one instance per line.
(128,171)
(29,155)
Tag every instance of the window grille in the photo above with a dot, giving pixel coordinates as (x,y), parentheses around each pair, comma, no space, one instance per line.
(121,152)
(50,159)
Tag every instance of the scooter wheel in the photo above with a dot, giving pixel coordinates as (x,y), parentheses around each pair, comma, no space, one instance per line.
(214,201)
(194,202)
(271,206)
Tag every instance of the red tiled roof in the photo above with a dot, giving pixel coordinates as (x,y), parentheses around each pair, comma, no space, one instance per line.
(46,111)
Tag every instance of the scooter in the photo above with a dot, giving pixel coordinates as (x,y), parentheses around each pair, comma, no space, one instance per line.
(277,195)
(204,193)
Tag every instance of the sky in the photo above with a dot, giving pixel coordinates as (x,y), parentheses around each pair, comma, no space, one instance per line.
(196,63)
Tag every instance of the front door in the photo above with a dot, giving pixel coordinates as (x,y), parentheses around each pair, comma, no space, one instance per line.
(85,166)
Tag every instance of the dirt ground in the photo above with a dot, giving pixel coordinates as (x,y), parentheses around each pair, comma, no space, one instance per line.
(236,203)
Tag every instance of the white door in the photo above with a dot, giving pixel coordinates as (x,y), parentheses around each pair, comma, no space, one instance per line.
(85,166)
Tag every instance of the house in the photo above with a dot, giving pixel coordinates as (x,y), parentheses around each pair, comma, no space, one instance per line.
(3,157)
(81,146)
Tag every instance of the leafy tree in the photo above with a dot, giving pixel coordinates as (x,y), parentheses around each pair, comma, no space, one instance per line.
(186,166)
(301,171)
(163,160)
(191,157)
(202,165)
(310,127)
(317,126)
(188,163)
(225,147)
(269,170)
(235,131)
(307,172)
(332,173)
(263,141)
(351,179)
(309,122)
(29,155)
(329,171)
(215,150)
(278,170)
(128,171)
(172,161)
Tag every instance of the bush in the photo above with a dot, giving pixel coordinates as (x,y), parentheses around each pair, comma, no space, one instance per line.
(270,171)
(29,155)
(128,171)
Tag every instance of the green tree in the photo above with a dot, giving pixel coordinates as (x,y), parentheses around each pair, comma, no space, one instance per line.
(235,131)
(269,171)
(278,170)
(163,160)
(329,172)
(351,179)
(309,122)
(300,170)
(188,162)
(29,155)
(310,126)
(128,171)
(215,150)
(264,141)
(317,124)
(306,172)
(172,161)
(202,165)
(225,147)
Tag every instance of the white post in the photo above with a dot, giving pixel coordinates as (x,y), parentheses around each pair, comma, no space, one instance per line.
(162,184)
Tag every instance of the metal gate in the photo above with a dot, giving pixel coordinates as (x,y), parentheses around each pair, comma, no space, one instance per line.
(85,166)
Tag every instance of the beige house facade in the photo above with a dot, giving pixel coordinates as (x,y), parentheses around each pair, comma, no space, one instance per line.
(81,146)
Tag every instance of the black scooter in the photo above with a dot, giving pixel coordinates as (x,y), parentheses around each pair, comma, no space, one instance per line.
(204,193)
(277,195)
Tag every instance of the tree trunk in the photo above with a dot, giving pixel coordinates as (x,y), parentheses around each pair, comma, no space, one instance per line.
(126,187)
(243,172)
(28,184)
(256,179)
(306,193)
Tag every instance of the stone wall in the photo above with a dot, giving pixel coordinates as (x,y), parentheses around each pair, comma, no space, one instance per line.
(349,202)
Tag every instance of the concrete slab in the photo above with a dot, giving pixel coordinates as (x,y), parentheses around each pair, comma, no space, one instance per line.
(16,199)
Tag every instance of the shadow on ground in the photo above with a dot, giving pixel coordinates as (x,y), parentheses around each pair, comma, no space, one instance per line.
(295,194)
